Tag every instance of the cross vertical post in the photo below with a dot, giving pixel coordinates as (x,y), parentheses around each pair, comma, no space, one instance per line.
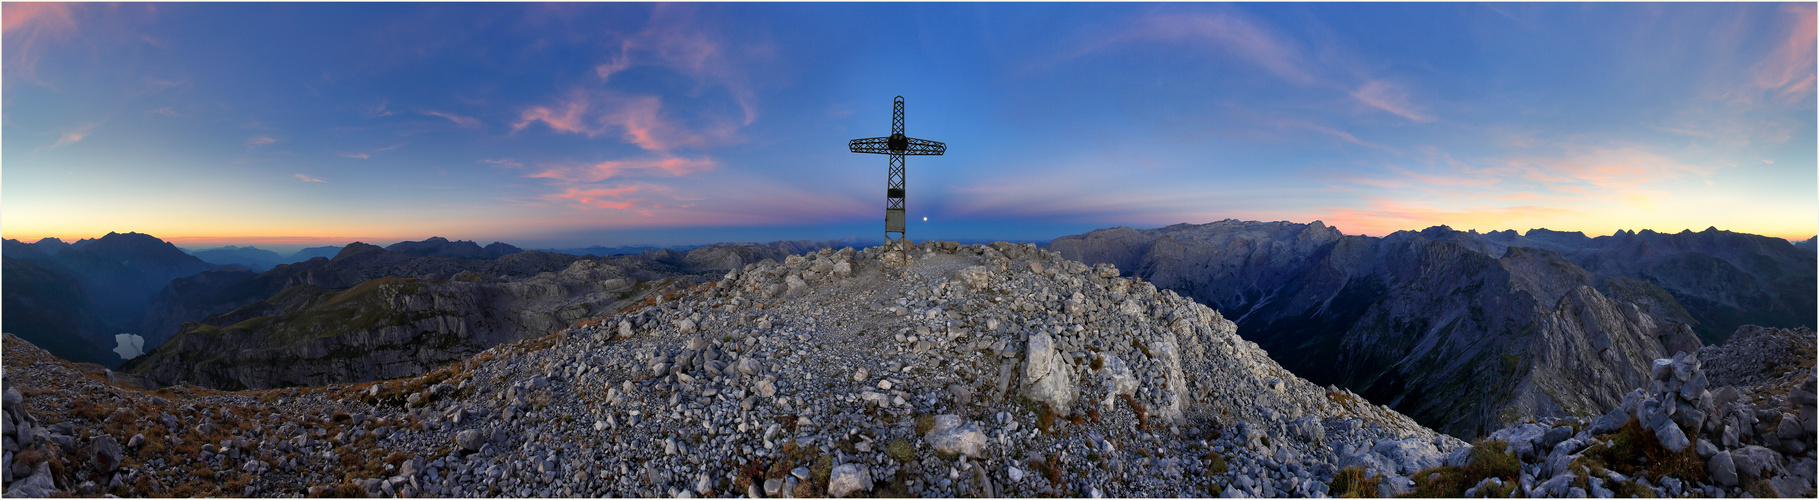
(897,145)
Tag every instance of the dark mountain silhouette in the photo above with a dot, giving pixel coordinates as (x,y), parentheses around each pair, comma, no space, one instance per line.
(1810,245)
(115,275)
(442,247)
(313,252)
(45,305)
(604,251)
(251,258)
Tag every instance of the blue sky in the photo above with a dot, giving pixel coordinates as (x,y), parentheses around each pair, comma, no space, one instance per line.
(285,125)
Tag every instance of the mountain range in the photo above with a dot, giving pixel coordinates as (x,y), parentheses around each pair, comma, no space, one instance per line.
(77,296)
(1464,331)
(257,259)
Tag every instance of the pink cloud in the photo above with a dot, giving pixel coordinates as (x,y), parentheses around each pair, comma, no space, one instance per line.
(73,135)
(667,166)
(1789,67)
(464,121)
(1390,97)
(362,156)
(1620,167)
(568,116)
(672,41)
(261,140)
(27,28)
(640,121)
(306,178)
(591,198)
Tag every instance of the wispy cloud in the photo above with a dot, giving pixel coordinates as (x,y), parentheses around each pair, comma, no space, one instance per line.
(1234,35)
(503,162)
(369,154)
(27,28)
(1788,69)
(73,135)
(1390,97)
(464,121)
(638,120)
(671,41)
(1222,32)
(617,198)
(378,110)
(596,172)
(259,140)
(306,178)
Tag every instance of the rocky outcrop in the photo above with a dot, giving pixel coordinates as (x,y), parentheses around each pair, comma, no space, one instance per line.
(1756,355)
(1463,331)
(1685,433)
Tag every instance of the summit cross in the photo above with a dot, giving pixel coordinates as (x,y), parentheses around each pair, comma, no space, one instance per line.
(897,146)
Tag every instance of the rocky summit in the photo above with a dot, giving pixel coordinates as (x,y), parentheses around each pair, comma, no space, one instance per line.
(938,370)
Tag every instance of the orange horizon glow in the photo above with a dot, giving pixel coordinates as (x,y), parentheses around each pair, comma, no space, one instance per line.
(1356,223)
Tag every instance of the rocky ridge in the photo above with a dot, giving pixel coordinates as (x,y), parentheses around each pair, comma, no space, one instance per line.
(1463,331)
(947,370)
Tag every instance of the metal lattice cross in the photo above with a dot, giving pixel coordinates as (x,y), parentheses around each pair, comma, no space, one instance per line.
(898,146)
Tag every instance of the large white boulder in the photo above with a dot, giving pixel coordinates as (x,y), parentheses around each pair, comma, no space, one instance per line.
(1047,377)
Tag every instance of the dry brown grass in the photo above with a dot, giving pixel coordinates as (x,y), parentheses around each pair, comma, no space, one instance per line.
(1143,418)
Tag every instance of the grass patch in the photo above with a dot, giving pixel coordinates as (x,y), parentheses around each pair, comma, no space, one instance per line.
(901,450)
(1045,419)
(1632,449)
(1351,482)
(1488,459)
(924,423)
(1215,464)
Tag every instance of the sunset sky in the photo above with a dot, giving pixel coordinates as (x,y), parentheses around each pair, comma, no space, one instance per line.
(284,125)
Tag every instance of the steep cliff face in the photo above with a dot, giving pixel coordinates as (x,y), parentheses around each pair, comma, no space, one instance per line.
(382,328)
(1464,332)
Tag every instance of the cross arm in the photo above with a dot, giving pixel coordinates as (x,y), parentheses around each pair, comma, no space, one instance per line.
(881,145)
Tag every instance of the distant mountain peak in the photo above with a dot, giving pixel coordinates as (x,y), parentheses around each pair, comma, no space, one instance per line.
(437,245)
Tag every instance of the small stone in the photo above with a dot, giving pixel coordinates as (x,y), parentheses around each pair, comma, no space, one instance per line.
(1015,474)
(953,435)
(469,440)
